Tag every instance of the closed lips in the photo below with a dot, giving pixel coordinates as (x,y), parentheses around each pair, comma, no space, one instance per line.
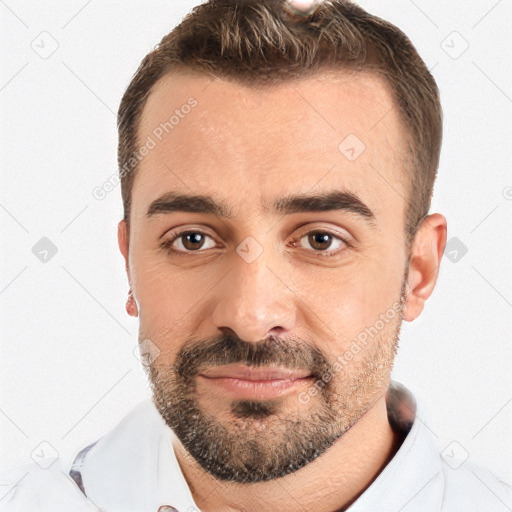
(253,373)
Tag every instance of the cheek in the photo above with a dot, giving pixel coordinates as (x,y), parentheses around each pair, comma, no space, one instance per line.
(156,288)
(346,300)
(171,297)
(356,299)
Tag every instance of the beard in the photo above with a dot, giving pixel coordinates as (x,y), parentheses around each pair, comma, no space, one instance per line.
(262,439)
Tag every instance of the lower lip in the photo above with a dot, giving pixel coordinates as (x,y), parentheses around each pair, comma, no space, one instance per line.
(243,388)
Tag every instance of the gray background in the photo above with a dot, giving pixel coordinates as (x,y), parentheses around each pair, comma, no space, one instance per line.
(68,371)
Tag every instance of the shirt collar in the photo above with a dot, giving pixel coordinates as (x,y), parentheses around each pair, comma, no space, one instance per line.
(413,480)
(134,466)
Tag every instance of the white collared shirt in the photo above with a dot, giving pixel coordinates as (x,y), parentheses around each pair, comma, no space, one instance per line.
(133,468)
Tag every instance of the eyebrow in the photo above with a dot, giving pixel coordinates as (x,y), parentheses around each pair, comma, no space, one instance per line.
(336,200)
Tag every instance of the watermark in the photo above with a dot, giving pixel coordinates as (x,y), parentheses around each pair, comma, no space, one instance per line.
(44,455)
(146,352)
(355,347)
(249,250)
(454,455)
(507,193)
(44,249)
(454,45)
(151,142)
(44,45)
(455,249)
(351,147)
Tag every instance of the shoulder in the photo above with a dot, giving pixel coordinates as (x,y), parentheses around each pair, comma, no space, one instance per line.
(30,487)
(47,485)
(472,487)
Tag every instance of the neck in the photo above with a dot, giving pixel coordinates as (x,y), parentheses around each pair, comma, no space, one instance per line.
(332,482)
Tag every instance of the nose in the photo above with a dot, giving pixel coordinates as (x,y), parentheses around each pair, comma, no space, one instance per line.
(254,301)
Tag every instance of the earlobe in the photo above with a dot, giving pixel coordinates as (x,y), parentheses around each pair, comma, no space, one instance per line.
(123,242)
(131,305)
(426,253)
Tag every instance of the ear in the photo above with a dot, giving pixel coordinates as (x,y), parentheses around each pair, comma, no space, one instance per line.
(426,253)
(123,240)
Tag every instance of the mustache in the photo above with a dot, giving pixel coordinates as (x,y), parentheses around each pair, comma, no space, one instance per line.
(292,353)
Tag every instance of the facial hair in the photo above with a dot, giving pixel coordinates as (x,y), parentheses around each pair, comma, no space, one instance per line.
(263,439)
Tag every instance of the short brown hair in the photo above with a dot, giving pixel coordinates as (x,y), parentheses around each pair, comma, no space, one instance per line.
(262,42)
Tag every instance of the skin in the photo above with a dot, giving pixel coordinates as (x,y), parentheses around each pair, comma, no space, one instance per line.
(245,146)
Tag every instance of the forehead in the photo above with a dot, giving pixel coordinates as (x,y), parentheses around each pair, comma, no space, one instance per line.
(248,146)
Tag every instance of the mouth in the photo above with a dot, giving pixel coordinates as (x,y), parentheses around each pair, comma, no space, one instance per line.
(249,382)
(254,373)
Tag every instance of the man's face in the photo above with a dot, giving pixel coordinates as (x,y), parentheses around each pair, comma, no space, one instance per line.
(322,278)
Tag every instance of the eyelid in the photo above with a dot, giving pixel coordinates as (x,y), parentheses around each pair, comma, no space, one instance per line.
(344,240)
(340,233)
(185,228)
(174,234)
(169,237)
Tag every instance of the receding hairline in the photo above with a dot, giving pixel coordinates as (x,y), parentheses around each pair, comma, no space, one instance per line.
(339,72)
(368,77)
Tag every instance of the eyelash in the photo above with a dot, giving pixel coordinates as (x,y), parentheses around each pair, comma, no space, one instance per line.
(167,244)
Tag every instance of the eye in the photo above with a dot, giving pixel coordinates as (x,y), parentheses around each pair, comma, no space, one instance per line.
(320,241)
(186,241)
(193,240)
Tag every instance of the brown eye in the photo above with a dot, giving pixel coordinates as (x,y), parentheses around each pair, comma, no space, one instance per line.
(192,241)
(187,242)
(320,241)
(324,241)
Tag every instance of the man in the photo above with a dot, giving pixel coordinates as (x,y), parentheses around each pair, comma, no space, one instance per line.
(277,162)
